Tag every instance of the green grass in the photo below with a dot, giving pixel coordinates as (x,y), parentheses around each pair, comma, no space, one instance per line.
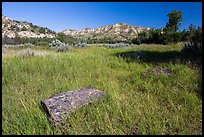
(149,104)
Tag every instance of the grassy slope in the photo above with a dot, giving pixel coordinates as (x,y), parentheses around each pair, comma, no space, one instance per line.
(146,104)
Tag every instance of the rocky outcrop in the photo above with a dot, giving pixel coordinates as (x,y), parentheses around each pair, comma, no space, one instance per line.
(119,30)
(12,28)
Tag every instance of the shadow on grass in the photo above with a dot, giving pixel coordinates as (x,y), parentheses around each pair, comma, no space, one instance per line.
(157,57)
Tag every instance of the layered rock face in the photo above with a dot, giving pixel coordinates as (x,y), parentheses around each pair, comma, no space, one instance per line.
(12,28)
(118,31)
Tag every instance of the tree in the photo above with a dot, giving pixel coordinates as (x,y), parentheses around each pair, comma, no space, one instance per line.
(195,34)
(184,35)
(175,18)
(193,46)
(136,41)
(171,34)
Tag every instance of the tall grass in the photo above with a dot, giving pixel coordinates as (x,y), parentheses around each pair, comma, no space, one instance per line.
(135,103)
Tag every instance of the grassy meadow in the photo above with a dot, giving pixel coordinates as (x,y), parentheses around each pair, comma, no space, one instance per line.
(137,102)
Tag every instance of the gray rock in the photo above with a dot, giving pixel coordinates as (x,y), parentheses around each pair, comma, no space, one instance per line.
(59,106)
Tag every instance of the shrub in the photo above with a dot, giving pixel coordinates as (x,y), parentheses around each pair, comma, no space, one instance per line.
(192,49)
(194,45)
(64,47)
(136,41)
(55,43)
(59,45)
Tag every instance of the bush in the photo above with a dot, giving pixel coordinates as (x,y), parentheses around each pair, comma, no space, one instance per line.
(192,49)
(194,45)
(55,43)
(136,41)
(64,47)
(59,45)
(149,36)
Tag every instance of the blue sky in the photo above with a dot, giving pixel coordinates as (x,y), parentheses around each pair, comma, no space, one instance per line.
(78,15)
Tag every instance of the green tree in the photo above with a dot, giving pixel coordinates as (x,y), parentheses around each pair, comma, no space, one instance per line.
(195,34)
(171,34)
(184,35)
(175,18)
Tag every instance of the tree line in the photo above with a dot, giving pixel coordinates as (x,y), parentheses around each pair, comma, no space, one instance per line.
(170,34)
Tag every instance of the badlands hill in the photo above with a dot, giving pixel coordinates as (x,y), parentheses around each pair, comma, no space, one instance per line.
(120,31)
